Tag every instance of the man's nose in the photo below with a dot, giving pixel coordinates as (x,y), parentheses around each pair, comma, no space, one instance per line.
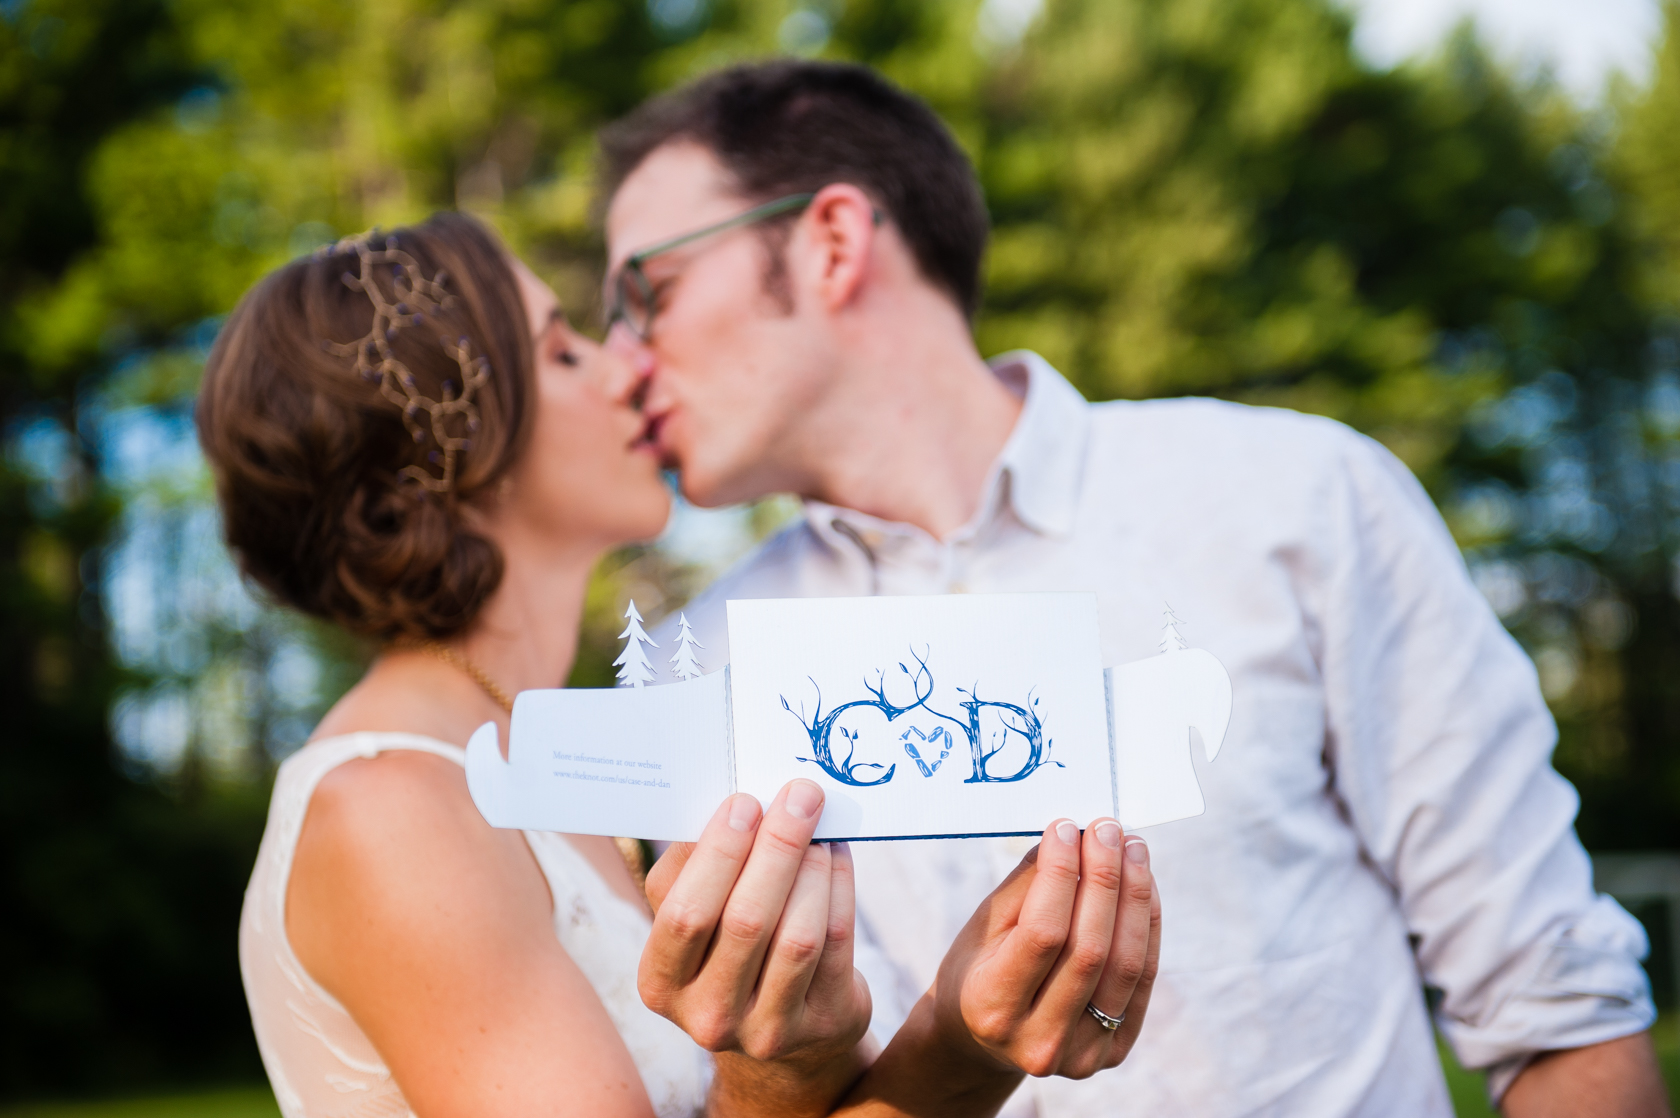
(637,354)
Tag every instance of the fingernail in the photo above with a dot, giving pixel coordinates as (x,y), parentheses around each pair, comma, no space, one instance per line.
(1109,835)
(1067,832)
(804,799)
(743,813)
(1137,853)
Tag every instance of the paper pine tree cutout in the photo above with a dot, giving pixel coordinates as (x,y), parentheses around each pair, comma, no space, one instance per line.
(1171,641)
(632,664)
(686,666)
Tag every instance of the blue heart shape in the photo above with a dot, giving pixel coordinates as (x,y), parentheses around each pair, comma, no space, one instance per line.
(939,734)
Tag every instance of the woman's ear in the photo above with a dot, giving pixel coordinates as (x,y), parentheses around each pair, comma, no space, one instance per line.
(840,225)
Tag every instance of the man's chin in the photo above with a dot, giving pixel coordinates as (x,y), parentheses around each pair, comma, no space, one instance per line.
(713,485)
(685,481)
(672,463)
(707,492)
(701,497)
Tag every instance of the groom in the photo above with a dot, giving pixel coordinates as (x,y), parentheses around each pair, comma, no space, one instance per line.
(794,260)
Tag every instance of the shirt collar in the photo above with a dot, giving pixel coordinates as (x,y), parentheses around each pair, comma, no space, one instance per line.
(1038,471)
(1045,455)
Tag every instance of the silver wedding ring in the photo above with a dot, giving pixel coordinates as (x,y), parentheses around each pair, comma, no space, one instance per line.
(1103,1019)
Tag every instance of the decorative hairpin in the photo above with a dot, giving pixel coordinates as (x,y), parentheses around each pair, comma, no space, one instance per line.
(414,299)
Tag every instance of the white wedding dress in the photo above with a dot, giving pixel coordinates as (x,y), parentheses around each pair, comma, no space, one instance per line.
(318,1060)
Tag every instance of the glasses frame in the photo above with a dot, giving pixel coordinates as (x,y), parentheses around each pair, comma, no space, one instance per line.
(631,271)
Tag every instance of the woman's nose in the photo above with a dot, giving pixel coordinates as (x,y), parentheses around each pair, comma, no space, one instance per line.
(623,342)
(629,366)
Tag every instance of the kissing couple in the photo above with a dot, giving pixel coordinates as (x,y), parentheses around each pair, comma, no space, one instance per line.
(410,440)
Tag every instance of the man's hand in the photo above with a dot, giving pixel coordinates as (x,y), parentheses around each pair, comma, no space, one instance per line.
(1616,1079)
(751,948)
(1077,923)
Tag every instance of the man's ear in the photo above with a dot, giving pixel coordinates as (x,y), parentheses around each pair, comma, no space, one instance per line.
(841,225)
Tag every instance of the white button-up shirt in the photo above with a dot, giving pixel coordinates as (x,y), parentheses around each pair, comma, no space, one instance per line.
(1383,815)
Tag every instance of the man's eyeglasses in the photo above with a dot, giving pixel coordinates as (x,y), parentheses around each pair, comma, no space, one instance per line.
(632,292)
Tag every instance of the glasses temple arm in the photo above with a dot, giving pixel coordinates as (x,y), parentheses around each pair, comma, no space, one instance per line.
(757,213)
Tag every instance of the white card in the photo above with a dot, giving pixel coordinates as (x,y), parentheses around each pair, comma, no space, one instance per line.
(649,763)
(947,716)
(925,717)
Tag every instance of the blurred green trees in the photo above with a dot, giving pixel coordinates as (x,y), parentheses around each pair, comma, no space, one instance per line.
(1208,197)
(1215,198)
(117,896)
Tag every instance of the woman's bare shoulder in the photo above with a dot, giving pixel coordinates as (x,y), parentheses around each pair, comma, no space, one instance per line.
(435,932)
(393,851)
(391,793)
(395,835)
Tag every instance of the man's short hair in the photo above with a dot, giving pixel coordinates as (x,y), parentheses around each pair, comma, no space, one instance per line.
(792,127)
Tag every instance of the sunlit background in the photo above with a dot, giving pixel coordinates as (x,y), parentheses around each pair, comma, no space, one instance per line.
(1454,224)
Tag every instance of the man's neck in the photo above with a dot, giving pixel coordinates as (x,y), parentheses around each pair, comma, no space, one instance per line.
(914,431)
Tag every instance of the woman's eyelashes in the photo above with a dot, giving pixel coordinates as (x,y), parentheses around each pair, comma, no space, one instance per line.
(563,351)
(559,336)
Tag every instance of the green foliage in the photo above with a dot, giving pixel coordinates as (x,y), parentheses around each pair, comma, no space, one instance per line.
(1648,156)
(119,896)
(1197,197)
(252,1102)
(1214,198)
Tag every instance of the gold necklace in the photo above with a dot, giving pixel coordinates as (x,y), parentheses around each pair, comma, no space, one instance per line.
(631,850)
(450,656)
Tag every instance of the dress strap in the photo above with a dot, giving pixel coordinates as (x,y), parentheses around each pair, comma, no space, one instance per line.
(295,782)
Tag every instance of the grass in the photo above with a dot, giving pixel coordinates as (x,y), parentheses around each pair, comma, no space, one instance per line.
(1469,1098)
(241,1102)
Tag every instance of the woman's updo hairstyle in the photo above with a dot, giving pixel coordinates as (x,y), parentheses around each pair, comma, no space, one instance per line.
(350,430)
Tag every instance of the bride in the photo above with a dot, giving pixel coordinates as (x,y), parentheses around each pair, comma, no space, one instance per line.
(409,440)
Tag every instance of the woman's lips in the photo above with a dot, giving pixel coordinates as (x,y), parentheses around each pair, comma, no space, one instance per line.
(648,438)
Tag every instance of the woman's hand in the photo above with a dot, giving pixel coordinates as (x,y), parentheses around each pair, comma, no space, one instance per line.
(1077,923)
(751,948)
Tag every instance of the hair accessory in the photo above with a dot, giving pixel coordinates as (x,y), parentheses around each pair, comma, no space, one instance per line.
(413,300)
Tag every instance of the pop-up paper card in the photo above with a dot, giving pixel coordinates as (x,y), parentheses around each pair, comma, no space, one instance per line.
(931,717)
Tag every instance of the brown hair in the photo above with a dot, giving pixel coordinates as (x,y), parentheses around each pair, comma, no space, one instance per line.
(308,455)
(794,127)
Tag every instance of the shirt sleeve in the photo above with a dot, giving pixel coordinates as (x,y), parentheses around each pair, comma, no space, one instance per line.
(1440,748)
